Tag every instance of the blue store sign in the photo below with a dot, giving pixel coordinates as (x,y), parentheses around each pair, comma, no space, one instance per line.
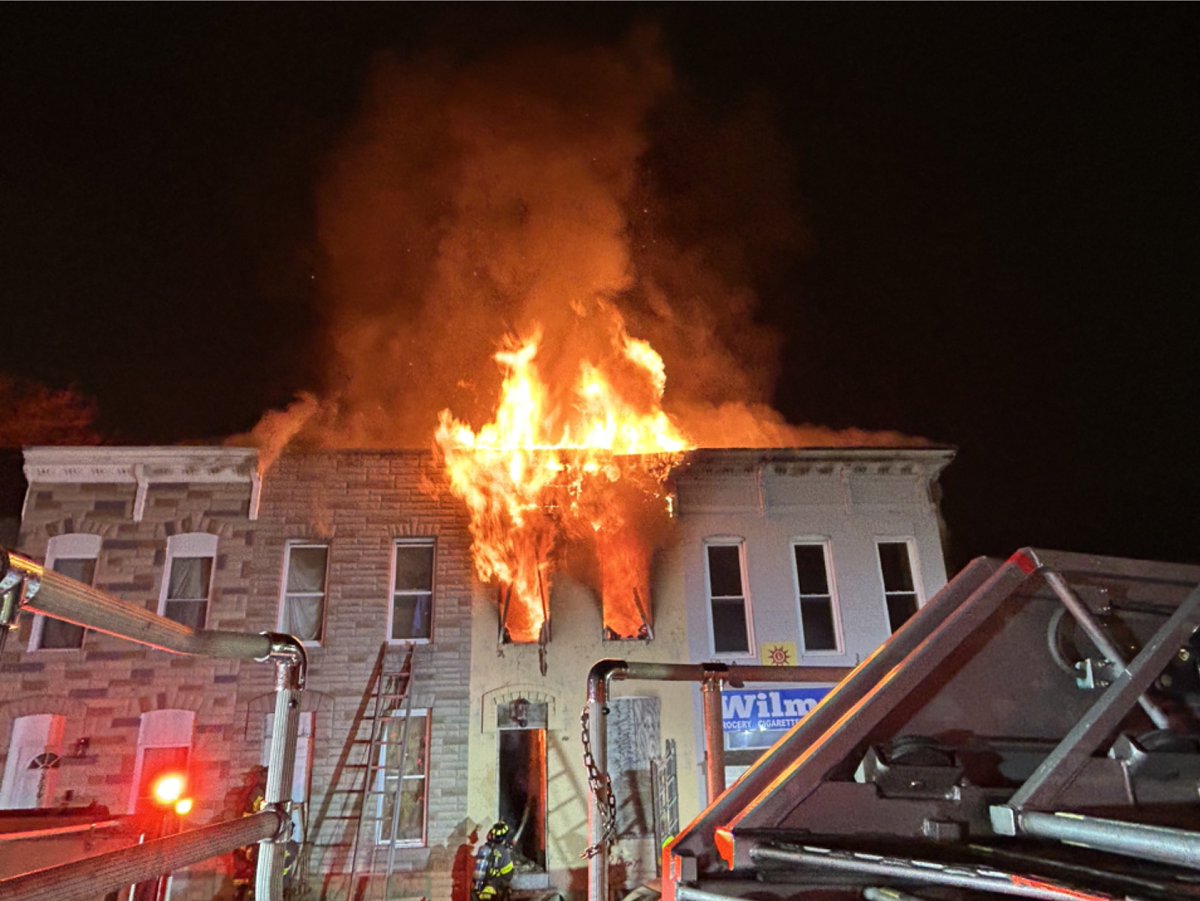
(768,708)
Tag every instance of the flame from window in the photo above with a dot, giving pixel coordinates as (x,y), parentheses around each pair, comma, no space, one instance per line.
(561,465)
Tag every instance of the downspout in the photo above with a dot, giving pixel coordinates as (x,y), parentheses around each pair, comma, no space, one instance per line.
(710,676)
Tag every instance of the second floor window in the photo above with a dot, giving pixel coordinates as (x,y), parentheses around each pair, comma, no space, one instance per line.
(302,608)
(728,604)
(188,578)
(74,555)
(899,589)
(411,613)
(818,620)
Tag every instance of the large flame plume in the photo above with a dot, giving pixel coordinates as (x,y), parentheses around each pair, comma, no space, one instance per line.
(561,463)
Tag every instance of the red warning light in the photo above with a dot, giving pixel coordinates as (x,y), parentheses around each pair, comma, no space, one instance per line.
(168,788)
(183,807)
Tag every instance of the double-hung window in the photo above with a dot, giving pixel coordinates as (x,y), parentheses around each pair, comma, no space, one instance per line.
(818,612)
(896,565)
(164,746)
(74,555)
(728,601)
(302,606)
(410,615)
(401,777)
(188,578)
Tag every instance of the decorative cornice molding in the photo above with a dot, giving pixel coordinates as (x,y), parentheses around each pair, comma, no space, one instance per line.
(133,465)
(816,462)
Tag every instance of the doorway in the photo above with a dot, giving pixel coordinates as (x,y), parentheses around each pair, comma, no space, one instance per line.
(522,778)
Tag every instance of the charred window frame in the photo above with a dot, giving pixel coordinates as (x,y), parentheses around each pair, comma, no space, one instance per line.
(305,586)
(410,607)
(816,595)
(898,572)
(73,555)
(188,578)
(730,622)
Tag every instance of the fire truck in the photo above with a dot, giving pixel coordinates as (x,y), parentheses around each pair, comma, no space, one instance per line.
(1034,732)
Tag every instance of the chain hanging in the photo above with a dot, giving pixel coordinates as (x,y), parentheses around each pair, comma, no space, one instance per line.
(601,787)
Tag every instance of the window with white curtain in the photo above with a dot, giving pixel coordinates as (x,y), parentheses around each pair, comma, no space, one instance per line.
(302,605)
(74,555)
(187,580)
(410,616)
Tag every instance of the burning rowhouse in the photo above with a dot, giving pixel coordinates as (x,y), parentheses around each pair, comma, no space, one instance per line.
(438,700)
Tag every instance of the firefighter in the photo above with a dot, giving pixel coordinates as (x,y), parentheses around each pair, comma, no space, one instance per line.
(494,866)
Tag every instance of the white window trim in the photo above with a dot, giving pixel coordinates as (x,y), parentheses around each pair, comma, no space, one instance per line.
(834,601)
(428,541)
(748,609)
(72,546)
(283,592)
(172,721)
(914,566)
(381,783)
(189,544)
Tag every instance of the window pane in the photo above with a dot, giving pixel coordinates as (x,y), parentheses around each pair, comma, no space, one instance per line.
(810,569)
(410,616)
(57,634)
(306,569)
(725,570)
(189,578)
(729,627)
(412,811)
(414,567)
(81,570)
(816,617)
(901,607)
(897,570)
(189,613)
(302,616)
(414,744)
(157,762)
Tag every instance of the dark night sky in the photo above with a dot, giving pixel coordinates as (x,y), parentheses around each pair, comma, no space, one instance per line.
(1001,207)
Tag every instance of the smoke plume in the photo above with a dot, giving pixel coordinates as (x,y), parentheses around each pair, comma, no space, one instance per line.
(541,189)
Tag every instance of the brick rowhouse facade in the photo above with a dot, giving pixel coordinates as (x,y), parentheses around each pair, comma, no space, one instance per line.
(138,506)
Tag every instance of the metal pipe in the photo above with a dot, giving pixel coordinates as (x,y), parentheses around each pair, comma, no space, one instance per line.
(879,893)
(923,871)
(1100,638)
(291,665)
(598,678)
(1173,846)
(91,877)
(714,738)
(60,597)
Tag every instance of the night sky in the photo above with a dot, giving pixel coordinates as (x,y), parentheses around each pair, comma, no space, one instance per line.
(979,226)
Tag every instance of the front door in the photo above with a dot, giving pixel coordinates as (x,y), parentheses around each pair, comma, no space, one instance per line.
(522,778)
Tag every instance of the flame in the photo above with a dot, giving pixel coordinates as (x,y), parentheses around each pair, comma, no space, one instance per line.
(554,465)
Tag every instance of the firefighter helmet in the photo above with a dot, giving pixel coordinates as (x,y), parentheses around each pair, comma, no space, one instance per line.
(499,831)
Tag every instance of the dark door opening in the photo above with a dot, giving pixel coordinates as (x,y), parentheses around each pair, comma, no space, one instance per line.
(522,778)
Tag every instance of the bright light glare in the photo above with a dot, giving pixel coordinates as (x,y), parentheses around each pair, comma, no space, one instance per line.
(183,806)
(168,789)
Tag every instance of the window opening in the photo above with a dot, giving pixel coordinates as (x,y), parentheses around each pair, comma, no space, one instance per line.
(31,770)
(727,598)
(522,777)
(74,556)
(412,591)
(818,622)
(302,610)
(899,589)
(410,830)
(188,580)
